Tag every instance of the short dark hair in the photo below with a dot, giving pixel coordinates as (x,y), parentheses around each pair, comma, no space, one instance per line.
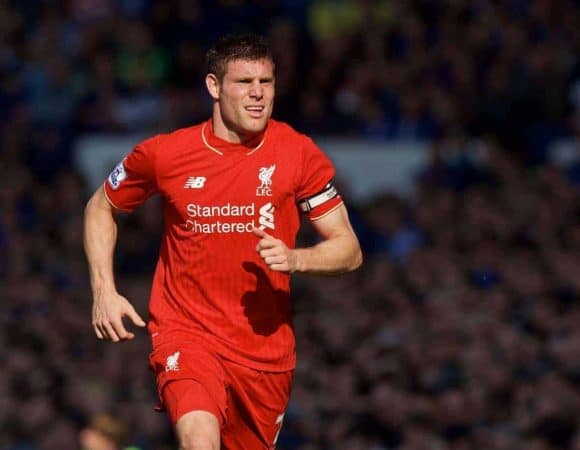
(249,47)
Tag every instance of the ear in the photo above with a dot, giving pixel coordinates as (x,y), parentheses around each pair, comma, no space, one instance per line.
(213,85)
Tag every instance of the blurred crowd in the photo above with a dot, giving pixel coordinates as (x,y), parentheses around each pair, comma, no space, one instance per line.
(382,69)
(460,332)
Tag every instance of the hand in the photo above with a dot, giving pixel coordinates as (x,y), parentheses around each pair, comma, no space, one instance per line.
(274,252)
(108,312)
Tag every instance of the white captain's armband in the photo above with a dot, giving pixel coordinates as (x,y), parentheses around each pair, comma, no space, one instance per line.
(327,193)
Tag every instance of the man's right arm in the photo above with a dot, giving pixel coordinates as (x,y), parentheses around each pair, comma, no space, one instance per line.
(100,237)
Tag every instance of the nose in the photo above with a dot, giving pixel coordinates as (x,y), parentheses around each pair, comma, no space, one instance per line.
(256,90)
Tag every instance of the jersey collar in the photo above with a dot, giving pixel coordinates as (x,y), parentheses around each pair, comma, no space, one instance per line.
(221,146)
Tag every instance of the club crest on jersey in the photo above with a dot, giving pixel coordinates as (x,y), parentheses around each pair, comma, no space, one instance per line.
(172,364)
(265,177)
(117,175)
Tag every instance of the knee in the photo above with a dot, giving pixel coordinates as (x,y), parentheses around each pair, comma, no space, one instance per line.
(197,443)
(198,431)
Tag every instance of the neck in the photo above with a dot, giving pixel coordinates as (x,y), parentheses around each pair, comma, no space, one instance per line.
(228,133)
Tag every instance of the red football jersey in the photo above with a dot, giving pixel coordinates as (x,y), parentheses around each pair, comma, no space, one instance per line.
(210,283)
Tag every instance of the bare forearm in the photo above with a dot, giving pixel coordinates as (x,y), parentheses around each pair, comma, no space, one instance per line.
(100,236)
(333,256)
(109,308)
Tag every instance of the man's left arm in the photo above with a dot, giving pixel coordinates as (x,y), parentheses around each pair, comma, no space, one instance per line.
(338,252)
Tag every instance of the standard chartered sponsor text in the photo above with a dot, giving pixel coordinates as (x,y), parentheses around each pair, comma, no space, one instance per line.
(226,210)
(219,227)
(200,218)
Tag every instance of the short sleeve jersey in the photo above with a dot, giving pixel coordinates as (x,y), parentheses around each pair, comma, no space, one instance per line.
(210,284)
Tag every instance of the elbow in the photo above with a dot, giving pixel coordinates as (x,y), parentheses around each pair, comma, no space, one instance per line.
(356,260)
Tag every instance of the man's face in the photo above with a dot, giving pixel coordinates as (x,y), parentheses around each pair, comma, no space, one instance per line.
(246,95)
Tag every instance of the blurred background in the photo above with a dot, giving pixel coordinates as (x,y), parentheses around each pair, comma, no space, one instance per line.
(455,128)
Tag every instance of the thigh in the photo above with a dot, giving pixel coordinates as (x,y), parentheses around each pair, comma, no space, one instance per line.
(256,404)
(189,377)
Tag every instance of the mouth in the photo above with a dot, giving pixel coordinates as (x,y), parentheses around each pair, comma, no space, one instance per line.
(255,111)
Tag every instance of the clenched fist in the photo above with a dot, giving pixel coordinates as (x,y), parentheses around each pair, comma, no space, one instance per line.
(275,252)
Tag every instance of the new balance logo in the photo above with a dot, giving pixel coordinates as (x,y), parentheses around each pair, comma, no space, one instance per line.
(266,219)
(194,183)
(172,364)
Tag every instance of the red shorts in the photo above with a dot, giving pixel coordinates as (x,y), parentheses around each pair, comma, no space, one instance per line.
(248,403)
